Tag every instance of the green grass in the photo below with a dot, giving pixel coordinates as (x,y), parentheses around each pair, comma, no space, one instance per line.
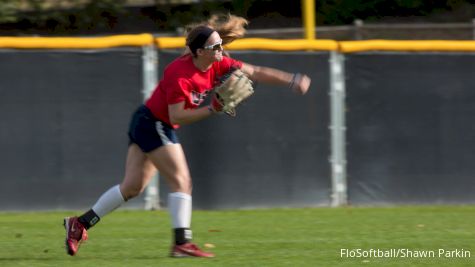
(275,237)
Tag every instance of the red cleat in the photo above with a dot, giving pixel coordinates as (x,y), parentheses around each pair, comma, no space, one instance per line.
(189,250)
(75,234)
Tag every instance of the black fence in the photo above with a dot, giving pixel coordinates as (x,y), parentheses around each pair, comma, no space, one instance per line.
(411,132)
(63,124)
(64,118)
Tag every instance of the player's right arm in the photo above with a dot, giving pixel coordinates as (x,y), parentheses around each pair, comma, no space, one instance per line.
(179,115)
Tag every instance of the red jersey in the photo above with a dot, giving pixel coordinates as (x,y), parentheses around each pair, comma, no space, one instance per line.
(182,81)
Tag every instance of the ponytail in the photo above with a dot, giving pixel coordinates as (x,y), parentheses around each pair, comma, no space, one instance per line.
(228,26)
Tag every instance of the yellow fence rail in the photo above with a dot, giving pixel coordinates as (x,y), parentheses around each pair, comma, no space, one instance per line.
(258,44)
(76,42)
(241,44)
(283,45)
(410,46)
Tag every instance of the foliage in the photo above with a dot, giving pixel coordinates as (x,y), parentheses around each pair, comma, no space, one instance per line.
(331,12)
(8,11)
(73,16)
(70,15)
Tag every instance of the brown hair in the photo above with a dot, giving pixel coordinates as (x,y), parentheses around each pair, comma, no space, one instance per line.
(197,37)
(228,26)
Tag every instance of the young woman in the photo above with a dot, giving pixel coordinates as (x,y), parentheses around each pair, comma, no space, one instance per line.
(177,100)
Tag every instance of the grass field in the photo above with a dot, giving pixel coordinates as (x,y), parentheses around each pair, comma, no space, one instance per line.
(274,237)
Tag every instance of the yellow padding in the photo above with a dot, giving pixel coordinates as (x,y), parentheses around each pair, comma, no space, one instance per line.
(258,44)
(417,46)
(75,42)
(283,45)
(241,44)
(170,42)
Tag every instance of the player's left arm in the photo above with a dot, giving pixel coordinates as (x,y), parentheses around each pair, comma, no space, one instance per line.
(299,83)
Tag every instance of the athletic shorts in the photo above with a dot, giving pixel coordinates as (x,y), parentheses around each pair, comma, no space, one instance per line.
(148,132)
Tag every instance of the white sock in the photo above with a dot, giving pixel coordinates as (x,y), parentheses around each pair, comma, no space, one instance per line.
(179,205)
(109,201)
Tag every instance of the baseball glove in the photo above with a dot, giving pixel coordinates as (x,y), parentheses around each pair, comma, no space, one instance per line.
(234,89)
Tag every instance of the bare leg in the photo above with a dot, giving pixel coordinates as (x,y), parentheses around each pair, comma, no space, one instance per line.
(138,172)
(171,162)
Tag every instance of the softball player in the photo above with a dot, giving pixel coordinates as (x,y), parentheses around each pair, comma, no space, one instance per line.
(177,100)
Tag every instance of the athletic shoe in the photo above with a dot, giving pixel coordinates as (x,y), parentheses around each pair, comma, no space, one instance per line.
(75,234)
(189,250)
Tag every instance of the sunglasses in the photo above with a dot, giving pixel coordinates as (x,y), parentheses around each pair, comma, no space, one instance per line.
(216,46)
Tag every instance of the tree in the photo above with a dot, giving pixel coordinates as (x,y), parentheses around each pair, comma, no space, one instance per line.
(9,11)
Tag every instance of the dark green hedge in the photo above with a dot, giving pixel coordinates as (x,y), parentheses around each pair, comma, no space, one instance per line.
(113,15)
